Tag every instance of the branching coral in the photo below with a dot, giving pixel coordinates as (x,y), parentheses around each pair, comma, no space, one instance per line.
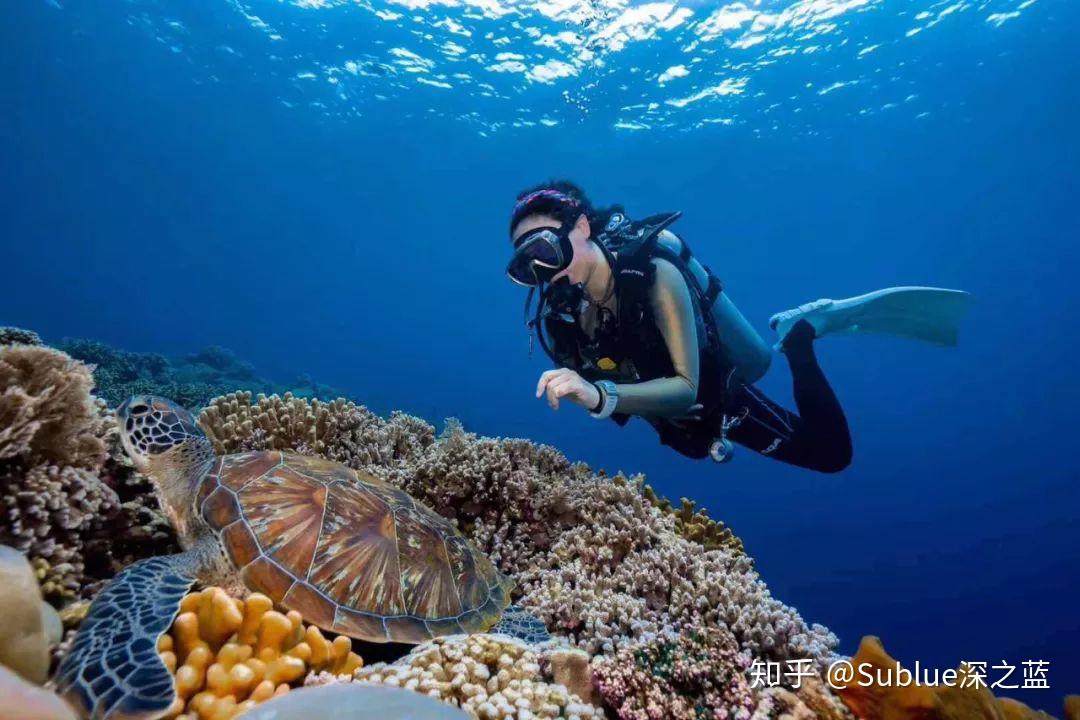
(682,677)
(594,558)
(67,500)
(51,445)
(228,655)
(18,336)
(492,677)
(696,525)
(339,430)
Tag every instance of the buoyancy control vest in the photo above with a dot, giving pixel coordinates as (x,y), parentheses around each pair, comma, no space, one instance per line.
(629,348)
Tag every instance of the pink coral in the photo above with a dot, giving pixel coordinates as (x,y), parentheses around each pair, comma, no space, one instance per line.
(692,676)
(596,560)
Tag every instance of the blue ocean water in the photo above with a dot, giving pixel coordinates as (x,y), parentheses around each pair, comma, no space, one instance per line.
(324,186)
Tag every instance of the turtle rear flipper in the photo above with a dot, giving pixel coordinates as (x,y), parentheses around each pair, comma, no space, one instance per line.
(517,622)
(113,670)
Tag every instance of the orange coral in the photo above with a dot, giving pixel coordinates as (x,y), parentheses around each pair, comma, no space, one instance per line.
(920,702)
(229,655)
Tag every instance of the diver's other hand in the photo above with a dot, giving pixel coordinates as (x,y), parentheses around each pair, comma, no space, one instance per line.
(565,383)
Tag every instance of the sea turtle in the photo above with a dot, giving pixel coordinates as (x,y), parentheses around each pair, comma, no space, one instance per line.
(353,554)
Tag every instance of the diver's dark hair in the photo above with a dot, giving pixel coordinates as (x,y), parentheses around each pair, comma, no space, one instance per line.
(559,208)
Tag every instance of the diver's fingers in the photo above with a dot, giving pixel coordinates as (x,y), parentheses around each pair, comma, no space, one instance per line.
(552,398)
(546,378)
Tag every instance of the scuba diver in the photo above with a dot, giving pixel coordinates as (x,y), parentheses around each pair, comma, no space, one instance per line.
(638,327)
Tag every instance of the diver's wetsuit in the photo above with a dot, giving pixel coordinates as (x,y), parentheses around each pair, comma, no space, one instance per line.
(816,438)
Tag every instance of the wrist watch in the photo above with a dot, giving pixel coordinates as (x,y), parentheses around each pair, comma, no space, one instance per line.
(609,398)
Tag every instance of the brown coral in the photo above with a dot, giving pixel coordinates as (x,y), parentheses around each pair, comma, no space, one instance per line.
(594,557)
(694,524)
(960,700)
(489,676)
(228,654)
(339,430)
(47,415)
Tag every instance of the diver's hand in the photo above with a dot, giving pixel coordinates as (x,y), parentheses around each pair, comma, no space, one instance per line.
(565,383)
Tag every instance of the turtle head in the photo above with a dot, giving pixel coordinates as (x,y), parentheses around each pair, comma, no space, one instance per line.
(164,441)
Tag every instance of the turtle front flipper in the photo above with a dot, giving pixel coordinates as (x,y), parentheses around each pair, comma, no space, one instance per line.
(113,671)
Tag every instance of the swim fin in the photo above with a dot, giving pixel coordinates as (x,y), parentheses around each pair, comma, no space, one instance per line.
(919,313)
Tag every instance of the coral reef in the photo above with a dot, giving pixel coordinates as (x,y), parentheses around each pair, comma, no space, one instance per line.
(191,380)
(18,336)
(52,442)
(69,498)
(594,558)
(696,525)
(962,700)
(489,676)
(338,430)
(229,655)
(682,677)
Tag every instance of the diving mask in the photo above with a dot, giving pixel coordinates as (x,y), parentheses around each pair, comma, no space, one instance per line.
(539,255)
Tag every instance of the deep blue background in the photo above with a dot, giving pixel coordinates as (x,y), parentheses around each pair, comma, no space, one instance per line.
(158,214)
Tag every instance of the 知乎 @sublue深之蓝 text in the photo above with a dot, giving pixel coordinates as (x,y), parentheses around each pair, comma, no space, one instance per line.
(844,673)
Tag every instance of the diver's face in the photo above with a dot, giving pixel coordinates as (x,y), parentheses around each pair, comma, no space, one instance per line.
(578,269)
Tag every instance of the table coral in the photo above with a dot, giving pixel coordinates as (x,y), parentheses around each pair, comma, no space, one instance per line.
(489,676)
(695,675)
(229,655)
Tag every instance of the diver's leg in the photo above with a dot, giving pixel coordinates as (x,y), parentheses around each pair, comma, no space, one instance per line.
(818,437)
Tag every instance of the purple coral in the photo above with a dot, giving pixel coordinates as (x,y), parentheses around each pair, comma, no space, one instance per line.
(691,676)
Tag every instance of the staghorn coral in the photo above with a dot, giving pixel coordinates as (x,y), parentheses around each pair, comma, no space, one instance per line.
(51,513)
(593,557)
(229,655)
(696,525)
(684,677)
(489,676)
(339,430)
(68,498)
(18,336)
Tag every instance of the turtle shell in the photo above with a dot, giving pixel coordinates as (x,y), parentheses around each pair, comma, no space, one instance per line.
(352,553)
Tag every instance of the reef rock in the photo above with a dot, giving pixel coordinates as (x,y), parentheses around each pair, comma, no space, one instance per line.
(24,647)
(354,702)
(19,700)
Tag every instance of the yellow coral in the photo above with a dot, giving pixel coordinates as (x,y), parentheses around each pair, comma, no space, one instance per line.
(695,525)
(228,655)
(961,701)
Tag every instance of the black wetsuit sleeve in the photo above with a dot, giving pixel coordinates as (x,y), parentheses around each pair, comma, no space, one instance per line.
(673,310)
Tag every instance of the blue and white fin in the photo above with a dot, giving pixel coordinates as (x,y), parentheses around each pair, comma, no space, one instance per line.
(113,671)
